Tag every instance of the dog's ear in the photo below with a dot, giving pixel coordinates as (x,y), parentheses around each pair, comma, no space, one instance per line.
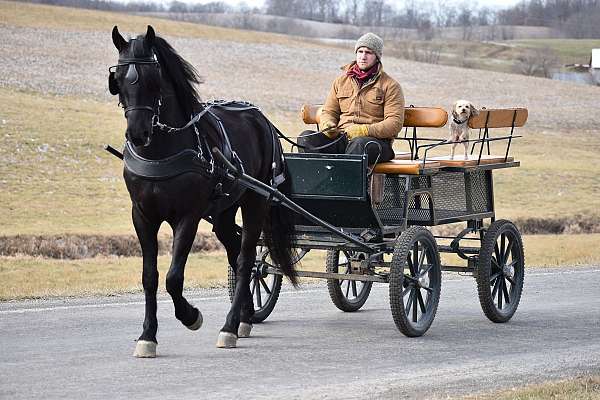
(454,113)
(474,111)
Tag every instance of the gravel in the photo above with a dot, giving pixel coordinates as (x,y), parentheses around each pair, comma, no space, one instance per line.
(280,78)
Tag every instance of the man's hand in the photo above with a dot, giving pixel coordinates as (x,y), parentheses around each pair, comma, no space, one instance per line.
(354,131)
(328,129)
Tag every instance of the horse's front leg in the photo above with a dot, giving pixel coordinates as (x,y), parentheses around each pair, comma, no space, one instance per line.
(226,230)
(146,233)
(184,233)
(241,306)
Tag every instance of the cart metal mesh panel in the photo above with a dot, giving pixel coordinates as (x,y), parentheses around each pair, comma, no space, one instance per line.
(480,196)
(390,210)
(456,196)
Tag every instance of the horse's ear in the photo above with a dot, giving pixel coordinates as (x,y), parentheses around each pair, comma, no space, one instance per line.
(149,38)
(118,40)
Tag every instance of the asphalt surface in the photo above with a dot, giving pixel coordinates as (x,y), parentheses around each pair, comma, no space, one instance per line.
(82,348)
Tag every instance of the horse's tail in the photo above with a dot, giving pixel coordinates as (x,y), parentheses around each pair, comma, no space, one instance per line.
(279,236)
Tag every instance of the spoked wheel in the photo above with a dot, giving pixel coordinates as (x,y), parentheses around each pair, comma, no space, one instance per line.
(264,286)
(415,281)
(346,295)
(500,271)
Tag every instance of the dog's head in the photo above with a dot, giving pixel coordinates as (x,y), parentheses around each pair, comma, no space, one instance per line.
(463,110)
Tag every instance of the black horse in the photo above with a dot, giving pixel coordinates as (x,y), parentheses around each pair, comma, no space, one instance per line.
(171,176)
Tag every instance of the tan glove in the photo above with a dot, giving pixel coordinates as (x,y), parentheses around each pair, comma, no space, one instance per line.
(328,129)
(354,131)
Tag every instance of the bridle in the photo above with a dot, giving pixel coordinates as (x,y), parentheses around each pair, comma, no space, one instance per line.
(133,74)
(155,108)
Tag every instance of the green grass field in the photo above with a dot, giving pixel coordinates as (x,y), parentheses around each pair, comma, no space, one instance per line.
(499,55)
(568,50)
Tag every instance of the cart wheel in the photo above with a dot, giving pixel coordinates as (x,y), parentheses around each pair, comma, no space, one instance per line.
(500,271)
(265,287)
(348,296)
(415,281)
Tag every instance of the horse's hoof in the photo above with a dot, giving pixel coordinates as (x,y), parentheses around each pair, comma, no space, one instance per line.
(145,349)
(196,325)
(226,340)
(244,330)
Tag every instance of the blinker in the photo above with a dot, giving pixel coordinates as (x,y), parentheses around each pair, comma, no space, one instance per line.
(132,75)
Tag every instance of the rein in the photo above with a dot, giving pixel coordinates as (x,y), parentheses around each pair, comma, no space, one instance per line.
(301,146)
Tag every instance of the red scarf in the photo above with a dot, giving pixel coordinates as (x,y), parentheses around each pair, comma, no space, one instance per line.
(360,75)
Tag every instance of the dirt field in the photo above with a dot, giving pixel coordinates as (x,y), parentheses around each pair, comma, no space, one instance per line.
(281,77)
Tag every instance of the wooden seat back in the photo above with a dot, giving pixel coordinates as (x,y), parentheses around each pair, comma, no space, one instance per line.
(499,118)
(419,117)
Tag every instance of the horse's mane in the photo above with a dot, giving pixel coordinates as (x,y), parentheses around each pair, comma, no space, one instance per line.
(182,75)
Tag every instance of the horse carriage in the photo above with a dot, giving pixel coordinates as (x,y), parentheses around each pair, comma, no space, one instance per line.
(371,221)
(186,160)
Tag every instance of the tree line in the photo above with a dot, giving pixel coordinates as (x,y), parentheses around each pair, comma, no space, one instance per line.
(574,18)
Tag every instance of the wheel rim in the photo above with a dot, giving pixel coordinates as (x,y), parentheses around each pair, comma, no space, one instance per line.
(419,283)
(353,291)
(506,271)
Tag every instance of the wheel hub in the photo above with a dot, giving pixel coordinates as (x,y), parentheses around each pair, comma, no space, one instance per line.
(423,281)
(260,271)
(508,270)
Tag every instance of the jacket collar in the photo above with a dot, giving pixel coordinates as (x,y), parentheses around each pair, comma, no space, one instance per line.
(346,67)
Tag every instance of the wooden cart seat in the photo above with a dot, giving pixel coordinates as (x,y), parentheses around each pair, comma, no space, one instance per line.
(405,167)
(499,118)
(460,161)
(402,155)
(419,117)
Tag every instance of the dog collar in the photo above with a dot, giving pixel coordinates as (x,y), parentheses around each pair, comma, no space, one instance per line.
(456,121)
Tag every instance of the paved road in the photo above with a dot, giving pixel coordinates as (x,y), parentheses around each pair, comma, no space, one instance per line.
(81,348)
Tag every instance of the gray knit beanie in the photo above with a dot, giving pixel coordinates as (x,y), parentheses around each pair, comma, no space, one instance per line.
(372,41)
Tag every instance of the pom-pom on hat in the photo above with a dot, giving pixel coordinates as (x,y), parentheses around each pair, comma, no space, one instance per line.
(372,41)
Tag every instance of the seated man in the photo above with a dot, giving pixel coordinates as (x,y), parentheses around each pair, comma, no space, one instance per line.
(365,103)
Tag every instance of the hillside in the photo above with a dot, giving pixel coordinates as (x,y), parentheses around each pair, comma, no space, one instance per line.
(55,113)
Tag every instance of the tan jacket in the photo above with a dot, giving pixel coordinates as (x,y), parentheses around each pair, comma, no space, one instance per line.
(379,104)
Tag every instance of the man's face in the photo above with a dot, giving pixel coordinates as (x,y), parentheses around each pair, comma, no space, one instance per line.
(365,58)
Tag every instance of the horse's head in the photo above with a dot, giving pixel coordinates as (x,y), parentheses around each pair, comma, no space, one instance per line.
(136,79)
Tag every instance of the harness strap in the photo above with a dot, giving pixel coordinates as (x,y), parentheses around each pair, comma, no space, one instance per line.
(191,122)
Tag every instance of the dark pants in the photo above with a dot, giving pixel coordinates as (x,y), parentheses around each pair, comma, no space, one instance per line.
(377,150)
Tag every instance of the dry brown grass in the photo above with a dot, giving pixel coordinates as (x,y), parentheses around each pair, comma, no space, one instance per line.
(580,388)
(55,181)
(552,251)
(32,277)
(35,277)
(23,14)
(76,247)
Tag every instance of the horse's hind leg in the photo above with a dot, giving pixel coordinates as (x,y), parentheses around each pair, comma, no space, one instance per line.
(184,233)
(253,212)
(146,232)
(226,231)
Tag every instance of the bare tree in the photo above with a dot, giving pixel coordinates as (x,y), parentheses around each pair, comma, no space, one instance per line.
(537,62)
